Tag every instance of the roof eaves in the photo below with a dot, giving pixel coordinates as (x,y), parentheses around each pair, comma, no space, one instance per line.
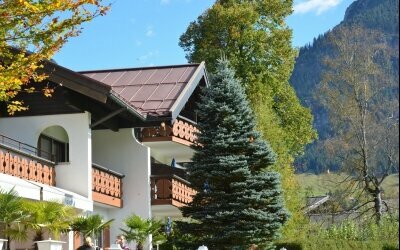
(125,104)
(77,82)
(87,86)
(188,90)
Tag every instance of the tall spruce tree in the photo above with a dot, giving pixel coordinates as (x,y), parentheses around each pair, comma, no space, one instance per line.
(239,202)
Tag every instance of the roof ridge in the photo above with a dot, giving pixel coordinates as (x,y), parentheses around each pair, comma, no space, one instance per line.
(138,68)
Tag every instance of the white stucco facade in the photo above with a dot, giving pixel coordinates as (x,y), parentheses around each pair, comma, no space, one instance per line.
(121,152)
(74,175)
(118,151)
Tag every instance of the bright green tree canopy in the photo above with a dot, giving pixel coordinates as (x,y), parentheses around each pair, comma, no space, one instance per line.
(254,37)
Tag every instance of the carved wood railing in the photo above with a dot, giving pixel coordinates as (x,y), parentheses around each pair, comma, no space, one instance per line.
(26,166)
(106,186)
(183,130)
(170,189)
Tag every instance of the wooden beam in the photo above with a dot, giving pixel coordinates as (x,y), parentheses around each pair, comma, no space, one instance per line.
(107,117)
(98,111)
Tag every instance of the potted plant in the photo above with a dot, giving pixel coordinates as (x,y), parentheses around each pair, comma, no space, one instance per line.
(90,225)
(12,217)
(51,217)
(139,229)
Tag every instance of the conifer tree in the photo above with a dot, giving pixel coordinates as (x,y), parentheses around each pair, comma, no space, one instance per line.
(239,202)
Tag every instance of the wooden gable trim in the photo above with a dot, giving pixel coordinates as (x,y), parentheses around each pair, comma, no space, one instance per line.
(77,82)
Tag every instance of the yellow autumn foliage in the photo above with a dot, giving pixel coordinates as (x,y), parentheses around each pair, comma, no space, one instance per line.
(31,32)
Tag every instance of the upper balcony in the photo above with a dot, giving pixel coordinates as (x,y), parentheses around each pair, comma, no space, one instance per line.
(171,141)
(183,132)
(106,186)
(21,160)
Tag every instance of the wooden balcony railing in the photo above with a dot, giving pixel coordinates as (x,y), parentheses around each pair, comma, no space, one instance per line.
(106,186)
(170,190)
(181,131)
(20,160)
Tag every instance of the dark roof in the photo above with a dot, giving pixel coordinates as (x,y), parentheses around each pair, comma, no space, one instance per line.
(153,91)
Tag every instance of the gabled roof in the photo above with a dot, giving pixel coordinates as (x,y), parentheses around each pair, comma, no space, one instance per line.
(153,91)
(119,98)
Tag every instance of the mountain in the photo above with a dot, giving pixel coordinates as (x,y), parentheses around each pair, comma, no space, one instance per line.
(380,15)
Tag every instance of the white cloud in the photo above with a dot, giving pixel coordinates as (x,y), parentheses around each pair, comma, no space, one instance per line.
(317,6)
(165,1)
(147,56)
(138,43)
(149,31)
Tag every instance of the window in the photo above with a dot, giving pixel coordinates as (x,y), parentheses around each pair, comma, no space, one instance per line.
(53,149)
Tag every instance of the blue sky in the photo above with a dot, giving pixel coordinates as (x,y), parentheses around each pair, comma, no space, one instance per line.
(139,33)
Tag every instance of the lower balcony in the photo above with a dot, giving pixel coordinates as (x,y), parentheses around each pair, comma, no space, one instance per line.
(21,160)
(106,186)
(168,194)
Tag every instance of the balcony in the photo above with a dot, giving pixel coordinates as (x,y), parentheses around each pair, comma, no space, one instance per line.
(172,140)
(21,160)
(181,132)
(170,190)
(106,186)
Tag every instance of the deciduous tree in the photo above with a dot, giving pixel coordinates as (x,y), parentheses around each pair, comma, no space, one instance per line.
(363,106)
(31,32)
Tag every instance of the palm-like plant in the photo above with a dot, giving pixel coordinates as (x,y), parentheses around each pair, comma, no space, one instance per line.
(139,229)
(49,216)
(12,217)
(91,225)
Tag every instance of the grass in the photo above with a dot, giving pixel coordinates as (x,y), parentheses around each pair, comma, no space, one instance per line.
(360,234)
(325,183)
(317,244)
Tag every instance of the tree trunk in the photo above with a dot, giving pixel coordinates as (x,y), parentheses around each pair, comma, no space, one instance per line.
(8,242)
(378,205)
(139,246)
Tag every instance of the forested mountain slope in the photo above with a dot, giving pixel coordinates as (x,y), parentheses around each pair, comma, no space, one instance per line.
(380,15)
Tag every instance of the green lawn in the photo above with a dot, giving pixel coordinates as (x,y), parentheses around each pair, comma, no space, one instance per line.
(325,183)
